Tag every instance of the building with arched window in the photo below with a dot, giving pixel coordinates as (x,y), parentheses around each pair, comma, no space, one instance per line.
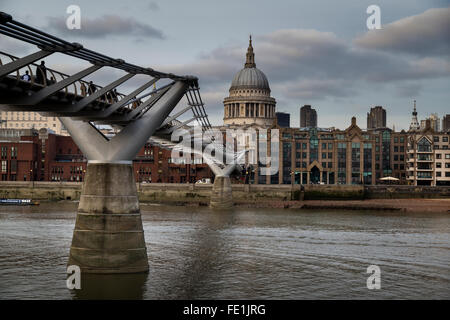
(428,158)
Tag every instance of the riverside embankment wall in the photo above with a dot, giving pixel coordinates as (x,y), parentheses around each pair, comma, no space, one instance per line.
(200,193)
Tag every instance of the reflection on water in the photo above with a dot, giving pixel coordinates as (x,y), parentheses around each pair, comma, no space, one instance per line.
(195,253)
(106,286)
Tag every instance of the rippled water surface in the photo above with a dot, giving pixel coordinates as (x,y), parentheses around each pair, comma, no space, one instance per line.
(195,253)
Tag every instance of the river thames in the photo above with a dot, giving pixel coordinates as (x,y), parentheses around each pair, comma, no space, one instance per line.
(195,253)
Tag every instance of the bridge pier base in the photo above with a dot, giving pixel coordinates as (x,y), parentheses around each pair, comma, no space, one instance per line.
(221,196)
(108,235)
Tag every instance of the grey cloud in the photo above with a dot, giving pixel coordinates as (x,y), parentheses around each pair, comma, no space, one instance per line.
(310,65)
(294,55)
(408,90)
(14,47)
(153,6)
(425,34)
(312,89)
(107,25)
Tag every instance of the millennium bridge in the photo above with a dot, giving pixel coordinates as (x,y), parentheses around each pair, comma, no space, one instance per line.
(108,235)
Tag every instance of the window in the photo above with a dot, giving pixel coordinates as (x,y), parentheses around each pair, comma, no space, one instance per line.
(4,166)
(330,146)
(4,152)
(447,174)
(324,145)
(438,165)
(13,165)
(324,155)
(447,165)
(330,155)
(436,138)
(447,156)
(14,152)
(438,156)
(444,139)
(424,145)
(438,173)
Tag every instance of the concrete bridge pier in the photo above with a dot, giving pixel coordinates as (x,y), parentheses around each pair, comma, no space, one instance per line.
(221,193)
(108,235)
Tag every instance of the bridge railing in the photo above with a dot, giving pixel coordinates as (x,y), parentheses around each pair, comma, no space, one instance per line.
(79,88)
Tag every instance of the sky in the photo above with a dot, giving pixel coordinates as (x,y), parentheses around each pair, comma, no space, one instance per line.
(313,52)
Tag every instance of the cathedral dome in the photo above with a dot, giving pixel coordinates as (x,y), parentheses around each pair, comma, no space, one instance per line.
(250,77)
(249,101)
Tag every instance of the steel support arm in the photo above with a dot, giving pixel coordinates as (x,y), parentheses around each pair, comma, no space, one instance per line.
(124,101)
(97,94)
(126,144)
(131,139)
(176,115)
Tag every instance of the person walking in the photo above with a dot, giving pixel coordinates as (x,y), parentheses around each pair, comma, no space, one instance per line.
(41,73)
(83,89)
(92,88)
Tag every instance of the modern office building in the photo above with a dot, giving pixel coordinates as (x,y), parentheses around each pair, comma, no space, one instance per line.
(376,118)
(283,119)
(446,123)
(308,117)
(435,122)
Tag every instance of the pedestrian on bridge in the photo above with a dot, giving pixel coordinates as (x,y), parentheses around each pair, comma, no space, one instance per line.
(41,73)
(92,88)
(26,76)
(83,89)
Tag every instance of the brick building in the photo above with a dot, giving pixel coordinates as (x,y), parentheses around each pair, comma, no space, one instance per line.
(43,156)
(332,156)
